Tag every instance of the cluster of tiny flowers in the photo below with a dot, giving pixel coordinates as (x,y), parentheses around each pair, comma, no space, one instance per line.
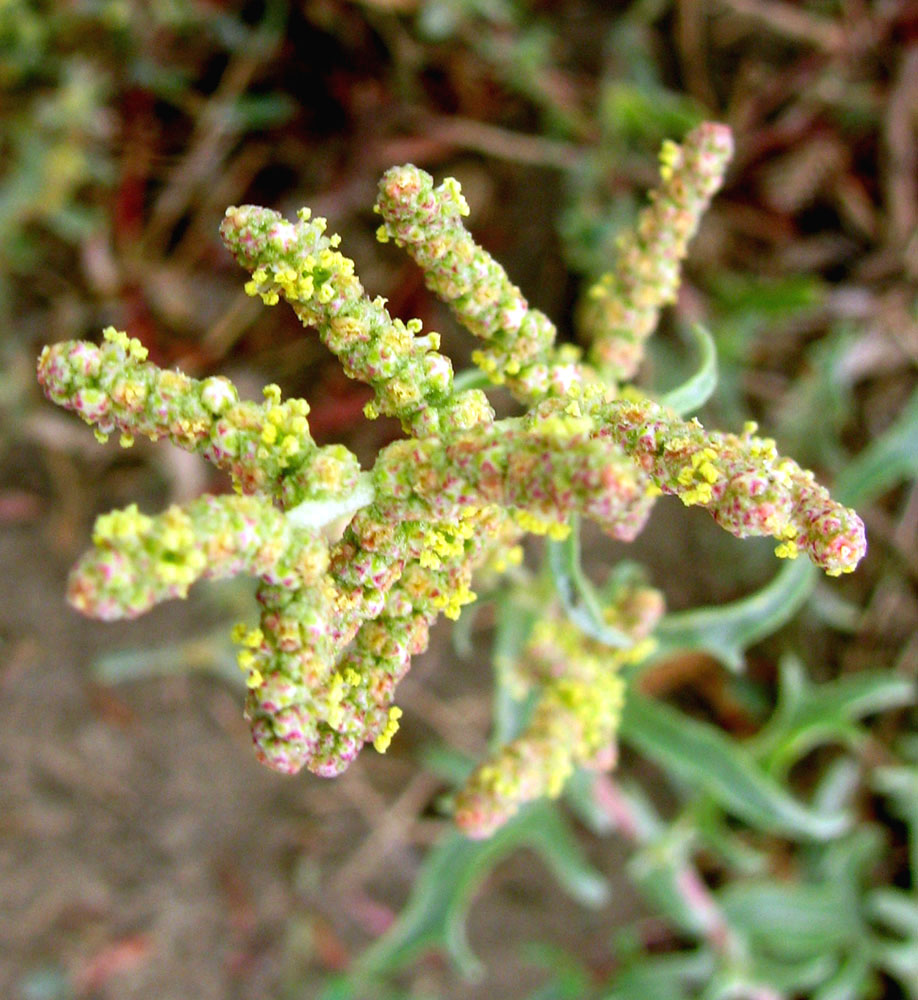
(137,560)
(265,447)
(542,467)
(519,341)
(580,697)
(299,263)
(748,488)
(355,566)
(621,310)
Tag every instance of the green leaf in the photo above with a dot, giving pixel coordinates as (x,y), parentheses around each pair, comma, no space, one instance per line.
(809,715)
(792,922)
(794,927)
(435,914)
(728,630)
(854,980)
(710,761)
(900,960)
(697,390)
(836,787)
(890,458)
(835,611)
(900,785)
(848,861)
(720,838)
(797,978)
(570,979)
(895,908)
(819,402)
(667,977)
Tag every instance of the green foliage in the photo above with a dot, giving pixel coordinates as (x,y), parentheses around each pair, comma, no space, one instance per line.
(709,762)
(436,912)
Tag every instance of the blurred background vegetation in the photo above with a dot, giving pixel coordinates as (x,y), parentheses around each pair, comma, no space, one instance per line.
(760,835)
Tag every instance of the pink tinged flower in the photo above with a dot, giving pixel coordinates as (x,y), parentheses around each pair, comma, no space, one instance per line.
(218,394)
(333,753)
(513,316)
(283,236)
(288,724)
(280,755)
(439,370)
(85,358)
(92,404)
(246,536)
(277,692)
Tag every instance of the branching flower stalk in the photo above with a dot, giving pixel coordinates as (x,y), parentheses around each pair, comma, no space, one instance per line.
(355,565)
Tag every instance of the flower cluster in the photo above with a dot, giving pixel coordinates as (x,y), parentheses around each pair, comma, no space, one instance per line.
(580,692)
(621,310)
(354,566)
(265,447)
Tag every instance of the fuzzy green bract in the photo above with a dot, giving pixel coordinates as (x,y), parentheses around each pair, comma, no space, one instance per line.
(355,565)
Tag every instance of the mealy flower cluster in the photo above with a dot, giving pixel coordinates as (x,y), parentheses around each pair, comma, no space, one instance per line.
(355,565)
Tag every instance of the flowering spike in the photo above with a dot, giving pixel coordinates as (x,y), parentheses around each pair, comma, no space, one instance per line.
(137,561)
(746,485)
(519,341)
(266,448)
(621,310)
(543,469)
(298,262)
(574,724)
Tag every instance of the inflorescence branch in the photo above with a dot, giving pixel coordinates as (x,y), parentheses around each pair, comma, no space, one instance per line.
(621,310)
(354,566)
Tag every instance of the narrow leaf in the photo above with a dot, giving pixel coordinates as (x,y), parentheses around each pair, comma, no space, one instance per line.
(855,979)
(809,715)
(710,761)
(696,390)
(792,922)
(435,914)
(728,630)
(895,908)
(890,458)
